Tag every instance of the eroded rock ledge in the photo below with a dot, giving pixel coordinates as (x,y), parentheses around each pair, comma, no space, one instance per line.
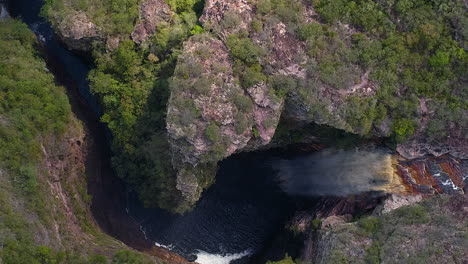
(210,116)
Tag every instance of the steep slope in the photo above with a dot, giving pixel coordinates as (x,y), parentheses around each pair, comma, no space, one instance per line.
(44,204)
(431,231)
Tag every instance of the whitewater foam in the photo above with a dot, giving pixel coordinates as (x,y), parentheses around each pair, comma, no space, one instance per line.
(207,258)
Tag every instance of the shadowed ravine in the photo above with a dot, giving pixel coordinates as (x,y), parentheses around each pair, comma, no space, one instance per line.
(255,193)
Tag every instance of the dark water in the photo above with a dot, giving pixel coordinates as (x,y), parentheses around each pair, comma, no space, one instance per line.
(73,66)
(238,215)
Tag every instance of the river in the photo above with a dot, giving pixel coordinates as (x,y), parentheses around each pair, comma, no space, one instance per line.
(245,209)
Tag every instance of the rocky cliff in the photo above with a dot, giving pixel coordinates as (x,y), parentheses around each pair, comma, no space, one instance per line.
(210,116)
(411,233)
(364,68)
(290,70)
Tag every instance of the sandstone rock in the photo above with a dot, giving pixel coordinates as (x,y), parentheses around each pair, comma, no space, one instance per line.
(152,14)
(210,116)
(187,183)
(418,147)
(395,201)
(430,175)
(78,32)
(226,17)
(335,220)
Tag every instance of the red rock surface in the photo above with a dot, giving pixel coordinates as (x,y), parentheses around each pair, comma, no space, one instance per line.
(431,175)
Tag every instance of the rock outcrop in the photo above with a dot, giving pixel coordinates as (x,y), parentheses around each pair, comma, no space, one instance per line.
(78,32)
(152,14)
(398,236)
(432,175)
(210,116)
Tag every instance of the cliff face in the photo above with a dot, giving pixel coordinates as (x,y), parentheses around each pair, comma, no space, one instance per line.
(413,233)
(210,116)
(359,71)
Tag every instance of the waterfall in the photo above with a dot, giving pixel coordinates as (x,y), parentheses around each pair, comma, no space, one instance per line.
(339,173)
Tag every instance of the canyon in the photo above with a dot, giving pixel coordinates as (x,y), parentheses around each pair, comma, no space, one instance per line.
(249,177)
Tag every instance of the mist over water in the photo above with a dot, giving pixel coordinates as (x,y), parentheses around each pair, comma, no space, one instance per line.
(334,172)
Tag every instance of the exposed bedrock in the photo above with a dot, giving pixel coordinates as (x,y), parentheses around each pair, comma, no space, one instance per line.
(210,116)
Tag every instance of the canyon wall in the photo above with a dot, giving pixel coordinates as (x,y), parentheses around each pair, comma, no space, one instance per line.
(258,61)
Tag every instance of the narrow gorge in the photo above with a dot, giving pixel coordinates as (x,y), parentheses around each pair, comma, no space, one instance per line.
(231,132)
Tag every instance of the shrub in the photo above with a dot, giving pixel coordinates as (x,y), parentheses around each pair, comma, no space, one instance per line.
(243,103)
(257,25)
(264,6)
(310,30)
(282,85)
(252,76)
(370,225)
(241,123)
(97,259)
(403,129)
(413,214)
(255,132)
(287,260)
(290,11)
(213,133)
(244,50)
(373,253)
(203,85)
(230,20)
(130,257)
(316,224)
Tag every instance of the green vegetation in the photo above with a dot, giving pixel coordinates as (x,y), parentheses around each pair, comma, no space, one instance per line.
(403,52)
(411,48)
(287,260)
(35,116)
(132,83)
(31,106)
(410,234)
(247,57)
(212,132)
(370,225)
(316,224)
(130,257)
(114,17)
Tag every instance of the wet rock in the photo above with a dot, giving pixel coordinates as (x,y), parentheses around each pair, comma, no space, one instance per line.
(430,175)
